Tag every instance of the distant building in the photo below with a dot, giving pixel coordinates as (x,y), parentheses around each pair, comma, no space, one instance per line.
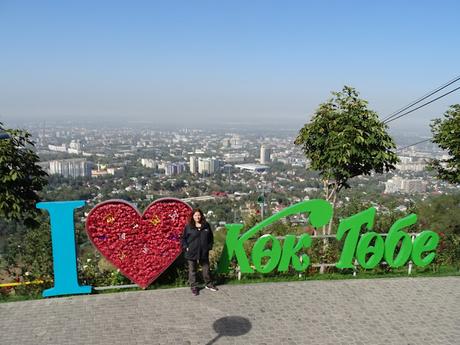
(193,164)
(172,169)
(207,165)
(399,185)
(414,186)
(264,154)
(235,142)
(225,143)
(235,157)
(97,173)
(416,166)
(393,185)
(149,163)
(75,147)
(116,171)
(71,167)
(411,164)
(103,170)
(252,167)
(61,148)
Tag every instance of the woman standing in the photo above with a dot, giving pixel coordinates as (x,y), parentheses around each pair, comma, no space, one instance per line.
(197,242)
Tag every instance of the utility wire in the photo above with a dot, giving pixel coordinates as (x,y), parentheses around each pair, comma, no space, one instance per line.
(405,147)
(450,82)
(421,106)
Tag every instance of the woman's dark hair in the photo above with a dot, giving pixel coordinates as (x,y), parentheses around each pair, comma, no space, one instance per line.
(191,221)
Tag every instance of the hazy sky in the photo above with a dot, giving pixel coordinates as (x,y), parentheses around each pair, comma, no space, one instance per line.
(205,62)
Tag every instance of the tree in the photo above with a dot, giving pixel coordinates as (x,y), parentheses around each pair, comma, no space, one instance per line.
(20,177)
(29,250)
(446,133)
(345,139)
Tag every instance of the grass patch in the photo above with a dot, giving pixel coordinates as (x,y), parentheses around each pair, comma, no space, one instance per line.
(25,293)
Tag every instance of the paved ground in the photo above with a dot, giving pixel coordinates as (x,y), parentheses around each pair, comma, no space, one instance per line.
(380,311)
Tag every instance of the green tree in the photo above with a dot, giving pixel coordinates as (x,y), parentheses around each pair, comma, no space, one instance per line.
(345,139)
(446,133)
(28,253)
(20,177)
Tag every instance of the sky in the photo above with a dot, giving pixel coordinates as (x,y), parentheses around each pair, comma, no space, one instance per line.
(206,63)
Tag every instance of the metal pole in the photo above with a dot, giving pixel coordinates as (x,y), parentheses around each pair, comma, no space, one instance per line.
(409,270)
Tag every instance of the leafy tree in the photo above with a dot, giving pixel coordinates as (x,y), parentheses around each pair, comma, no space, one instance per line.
(28,253)
(345,139)
(446,133)
(20,177)
(440,214)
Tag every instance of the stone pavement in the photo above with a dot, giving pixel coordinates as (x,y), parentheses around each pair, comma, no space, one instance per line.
(379,311)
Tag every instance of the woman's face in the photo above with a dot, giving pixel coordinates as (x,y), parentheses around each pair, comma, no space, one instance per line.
(197,217)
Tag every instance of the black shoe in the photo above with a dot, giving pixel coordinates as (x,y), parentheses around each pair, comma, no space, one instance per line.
(195,291)
(211,287)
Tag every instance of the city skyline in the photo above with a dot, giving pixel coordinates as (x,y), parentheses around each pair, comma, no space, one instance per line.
(222,64)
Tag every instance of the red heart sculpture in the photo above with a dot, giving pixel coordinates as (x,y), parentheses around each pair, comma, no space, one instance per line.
(141,246)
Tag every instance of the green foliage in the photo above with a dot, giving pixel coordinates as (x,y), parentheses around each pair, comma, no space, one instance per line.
(345,139)
(440,214)
(448,251)
(28,253)
(446,133)
(20,177)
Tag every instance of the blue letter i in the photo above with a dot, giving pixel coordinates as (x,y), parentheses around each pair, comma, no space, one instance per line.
(64,248)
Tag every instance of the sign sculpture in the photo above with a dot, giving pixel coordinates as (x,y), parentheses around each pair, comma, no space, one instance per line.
(369,249)
(143,246)
(140,246)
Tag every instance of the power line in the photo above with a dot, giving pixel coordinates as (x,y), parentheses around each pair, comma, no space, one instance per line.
(421,106)
(450,82)
(420,142)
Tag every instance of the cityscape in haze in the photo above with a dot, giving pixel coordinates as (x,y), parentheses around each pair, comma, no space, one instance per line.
(222,169)
(257,64)
(204,100)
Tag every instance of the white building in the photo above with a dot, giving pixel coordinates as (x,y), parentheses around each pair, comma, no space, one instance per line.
(149,163)
(399,185)
(236,142)
(71,167)
(235,157)
(61,148)
(75,145)
(393,185)
(193,164)
(207,165)
(174,168)
(264,154)
(252,167)
(411,164)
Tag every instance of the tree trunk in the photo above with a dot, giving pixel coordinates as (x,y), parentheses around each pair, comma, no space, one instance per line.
(334,202)
(330,191)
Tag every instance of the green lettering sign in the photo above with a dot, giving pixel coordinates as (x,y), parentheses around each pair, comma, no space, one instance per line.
(259,251)
(396,236)
(290,249)
(368,249)
(353,225)
(320,212)
(427,241)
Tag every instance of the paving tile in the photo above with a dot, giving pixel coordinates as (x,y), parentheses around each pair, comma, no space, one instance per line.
(377,311)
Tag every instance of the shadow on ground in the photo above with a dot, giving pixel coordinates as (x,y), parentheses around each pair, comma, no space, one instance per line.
(230,326)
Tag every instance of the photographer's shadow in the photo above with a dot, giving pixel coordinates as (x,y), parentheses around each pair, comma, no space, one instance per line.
(230,326)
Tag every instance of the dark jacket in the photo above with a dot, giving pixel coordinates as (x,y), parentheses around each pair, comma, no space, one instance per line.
(197,243)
